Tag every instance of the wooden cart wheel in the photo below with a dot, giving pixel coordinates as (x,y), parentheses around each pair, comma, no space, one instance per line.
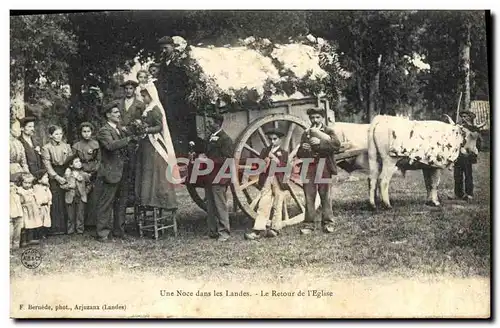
(249,145)
(197,195)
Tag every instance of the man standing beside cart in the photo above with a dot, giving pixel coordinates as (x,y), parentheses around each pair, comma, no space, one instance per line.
(317,146)
(172,85)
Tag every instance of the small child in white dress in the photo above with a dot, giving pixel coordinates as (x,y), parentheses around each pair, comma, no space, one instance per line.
(43,196)
(16,217)
(31,209)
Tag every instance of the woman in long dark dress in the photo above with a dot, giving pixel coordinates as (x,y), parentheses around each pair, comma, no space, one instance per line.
(55,156)
(87,149)
(152,187)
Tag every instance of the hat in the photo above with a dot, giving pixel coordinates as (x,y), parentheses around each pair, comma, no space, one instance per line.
(316,110)
(217,117)
(26,120)
(130,82)
(109,106)
(16,177)
(166,40)
(154,65)
(467,112)
(274,131)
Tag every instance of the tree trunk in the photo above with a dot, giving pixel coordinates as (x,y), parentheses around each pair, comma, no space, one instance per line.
(75,83)
(18,99)
(373,93)
(465,67)
(17,95)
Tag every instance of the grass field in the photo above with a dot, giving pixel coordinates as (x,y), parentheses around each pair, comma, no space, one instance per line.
(410,240)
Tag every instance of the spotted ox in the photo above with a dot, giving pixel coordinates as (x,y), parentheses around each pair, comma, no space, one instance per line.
(398,143)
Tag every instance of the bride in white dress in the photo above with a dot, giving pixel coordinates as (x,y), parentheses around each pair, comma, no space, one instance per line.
(162,141)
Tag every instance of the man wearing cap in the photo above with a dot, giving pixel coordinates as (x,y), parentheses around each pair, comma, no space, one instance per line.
(272,186)
(462,170)
(318,144)
(172,86)
(217,148)
(111,184)
(32,149)
(130,107)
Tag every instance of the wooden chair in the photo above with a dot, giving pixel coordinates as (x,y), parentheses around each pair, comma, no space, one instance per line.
(155,220)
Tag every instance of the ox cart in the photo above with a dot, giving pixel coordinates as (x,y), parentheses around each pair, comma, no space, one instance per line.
(257,85)
(247,129)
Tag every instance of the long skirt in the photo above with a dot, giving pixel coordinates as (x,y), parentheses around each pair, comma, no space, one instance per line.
(91,206)
(151,185)
(58,211)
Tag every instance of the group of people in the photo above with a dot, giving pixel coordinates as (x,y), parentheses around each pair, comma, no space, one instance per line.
(57,188)
(49,185)
(319,143)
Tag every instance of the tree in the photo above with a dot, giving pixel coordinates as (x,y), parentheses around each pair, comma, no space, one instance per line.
(372,45)
(39,47)
(455,45)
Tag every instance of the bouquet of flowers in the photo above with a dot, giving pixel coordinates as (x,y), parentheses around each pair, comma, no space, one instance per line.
(137,128)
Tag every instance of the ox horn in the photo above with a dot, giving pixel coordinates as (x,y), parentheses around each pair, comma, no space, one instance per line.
(450,120)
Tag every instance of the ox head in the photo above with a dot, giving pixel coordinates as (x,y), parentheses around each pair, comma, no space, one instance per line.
(470,135)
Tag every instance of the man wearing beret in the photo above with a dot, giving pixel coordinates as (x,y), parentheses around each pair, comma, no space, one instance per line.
(318,142)
(111,184)
(172,86)
(462,170)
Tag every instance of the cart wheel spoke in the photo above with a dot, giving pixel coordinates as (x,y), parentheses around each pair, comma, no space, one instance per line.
(252,150)
(262,136)
(250,182)
(249,144)
(253,204)
(247,196)
(296,199)
(288,137)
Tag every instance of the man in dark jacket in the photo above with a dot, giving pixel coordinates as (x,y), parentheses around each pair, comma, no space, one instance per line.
(130,107)
(462,170)
(218,147)
(32,149)
(318,150)
(173,88)
(111,184)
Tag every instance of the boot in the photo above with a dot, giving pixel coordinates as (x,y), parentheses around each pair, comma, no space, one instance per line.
(32,238)
(24,238)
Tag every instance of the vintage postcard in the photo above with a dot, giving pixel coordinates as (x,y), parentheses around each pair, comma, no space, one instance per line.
(250,164)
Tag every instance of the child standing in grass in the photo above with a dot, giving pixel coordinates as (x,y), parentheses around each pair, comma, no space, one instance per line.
(31,209)
(270,212)
(43,196)
(16,214)
(77,188)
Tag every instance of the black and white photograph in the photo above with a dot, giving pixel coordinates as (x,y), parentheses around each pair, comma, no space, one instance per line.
(250,164)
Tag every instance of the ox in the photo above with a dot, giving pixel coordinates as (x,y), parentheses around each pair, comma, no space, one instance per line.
(436,145)
(356,137)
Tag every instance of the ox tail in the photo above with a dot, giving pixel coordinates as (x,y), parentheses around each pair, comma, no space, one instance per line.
(373,148)
(374,161)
